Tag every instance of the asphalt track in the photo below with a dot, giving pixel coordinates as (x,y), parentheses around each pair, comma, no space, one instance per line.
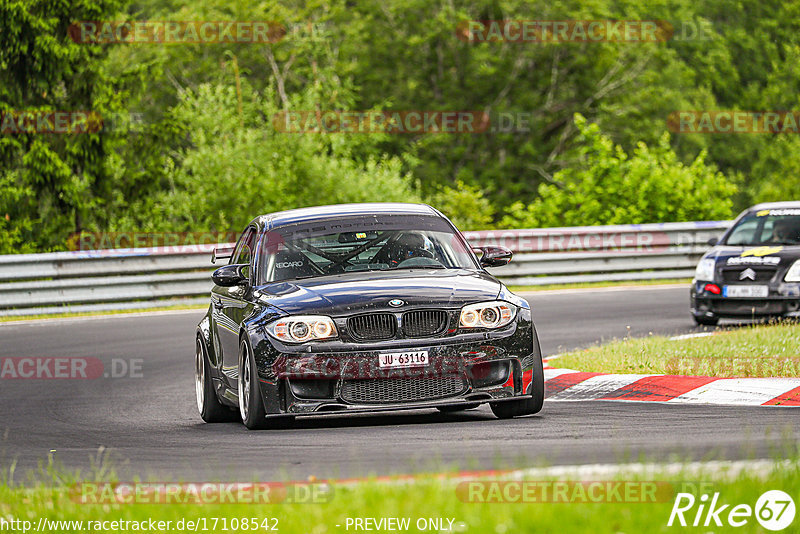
(148,426)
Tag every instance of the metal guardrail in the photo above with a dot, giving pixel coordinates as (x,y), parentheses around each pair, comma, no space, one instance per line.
(150,277)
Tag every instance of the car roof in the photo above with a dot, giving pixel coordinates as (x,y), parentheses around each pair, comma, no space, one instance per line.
(282,218)
(789,204)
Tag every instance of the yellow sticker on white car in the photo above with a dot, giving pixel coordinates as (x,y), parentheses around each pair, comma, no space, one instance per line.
(761,251)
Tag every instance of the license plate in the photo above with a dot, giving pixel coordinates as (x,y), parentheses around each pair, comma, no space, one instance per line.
(403,359)
(745,291)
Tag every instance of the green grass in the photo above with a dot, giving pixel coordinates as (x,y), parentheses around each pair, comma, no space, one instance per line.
(430,497)
(771,350)
(590,285)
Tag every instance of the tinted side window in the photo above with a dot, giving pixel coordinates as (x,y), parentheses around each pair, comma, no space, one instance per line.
(244,249)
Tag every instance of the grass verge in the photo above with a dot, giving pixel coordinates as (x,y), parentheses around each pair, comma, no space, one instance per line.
(767,350)
(633,502)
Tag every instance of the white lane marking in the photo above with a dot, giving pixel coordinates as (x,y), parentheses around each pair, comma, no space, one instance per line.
(550,373)
(45,321)
(739,391)
(716,469)
(690,336)
(713,468)
(597,386)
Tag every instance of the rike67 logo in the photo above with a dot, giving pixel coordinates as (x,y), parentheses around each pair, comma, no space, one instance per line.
(774,510)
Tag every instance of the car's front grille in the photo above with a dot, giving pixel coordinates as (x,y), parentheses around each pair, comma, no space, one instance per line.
(424,323)
(762,274)
(380,390)
(373,327)
(748,307)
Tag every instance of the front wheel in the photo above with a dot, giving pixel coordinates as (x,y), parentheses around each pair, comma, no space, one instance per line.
(251,407)
(529,406)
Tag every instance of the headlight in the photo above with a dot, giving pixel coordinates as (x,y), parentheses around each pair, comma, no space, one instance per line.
(301,328)
(705,270)
(487,314)
(793,275)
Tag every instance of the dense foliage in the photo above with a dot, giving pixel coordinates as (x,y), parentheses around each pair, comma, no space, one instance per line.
(193,144)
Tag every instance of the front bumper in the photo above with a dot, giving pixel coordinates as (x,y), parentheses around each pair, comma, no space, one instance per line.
(463,369)
(783,300)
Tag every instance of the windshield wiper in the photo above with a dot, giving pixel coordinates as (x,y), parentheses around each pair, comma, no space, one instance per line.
(419,267)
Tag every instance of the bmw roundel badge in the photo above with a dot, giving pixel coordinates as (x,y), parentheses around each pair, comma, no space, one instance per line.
(396,303)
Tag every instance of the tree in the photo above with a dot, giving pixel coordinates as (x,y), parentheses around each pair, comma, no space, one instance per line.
(611,187)
(52,183)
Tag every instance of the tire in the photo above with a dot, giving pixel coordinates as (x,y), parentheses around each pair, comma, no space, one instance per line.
(211,410)
(529,406)
(702,320)
(458,407)
(251,406)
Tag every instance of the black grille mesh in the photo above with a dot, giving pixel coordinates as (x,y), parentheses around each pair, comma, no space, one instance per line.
(372,327)
(377,390)
(762,274)
(424,323)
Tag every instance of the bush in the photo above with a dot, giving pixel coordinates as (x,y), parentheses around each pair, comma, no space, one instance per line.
(607,186)
(465,205)
(237,166)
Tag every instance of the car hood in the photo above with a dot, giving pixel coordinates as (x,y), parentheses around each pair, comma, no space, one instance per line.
(350,293)
(780,255)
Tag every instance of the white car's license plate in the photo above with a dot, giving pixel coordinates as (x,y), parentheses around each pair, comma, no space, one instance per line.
(403,359)
(745,291)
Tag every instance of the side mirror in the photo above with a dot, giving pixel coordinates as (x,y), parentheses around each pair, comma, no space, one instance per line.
(495,256)
(713,241)
(232,275)
(221,253)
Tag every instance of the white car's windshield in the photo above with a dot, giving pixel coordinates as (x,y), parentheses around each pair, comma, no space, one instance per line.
(767,227)
(372,243)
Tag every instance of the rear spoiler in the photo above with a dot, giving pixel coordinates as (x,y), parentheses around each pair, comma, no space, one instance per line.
(221,253)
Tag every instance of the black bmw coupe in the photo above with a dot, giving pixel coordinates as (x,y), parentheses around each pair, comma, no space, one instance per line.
(753,271)
(362,307)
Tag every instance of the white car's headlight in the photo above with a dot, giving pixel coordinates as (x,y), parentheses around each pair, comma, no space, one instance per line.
(494,314)
(705,270)
(793,275)
(301,328)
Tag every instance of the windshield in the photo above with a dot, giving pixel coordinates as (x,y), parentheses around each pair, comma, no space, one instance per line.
(767,227)
(368,243)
